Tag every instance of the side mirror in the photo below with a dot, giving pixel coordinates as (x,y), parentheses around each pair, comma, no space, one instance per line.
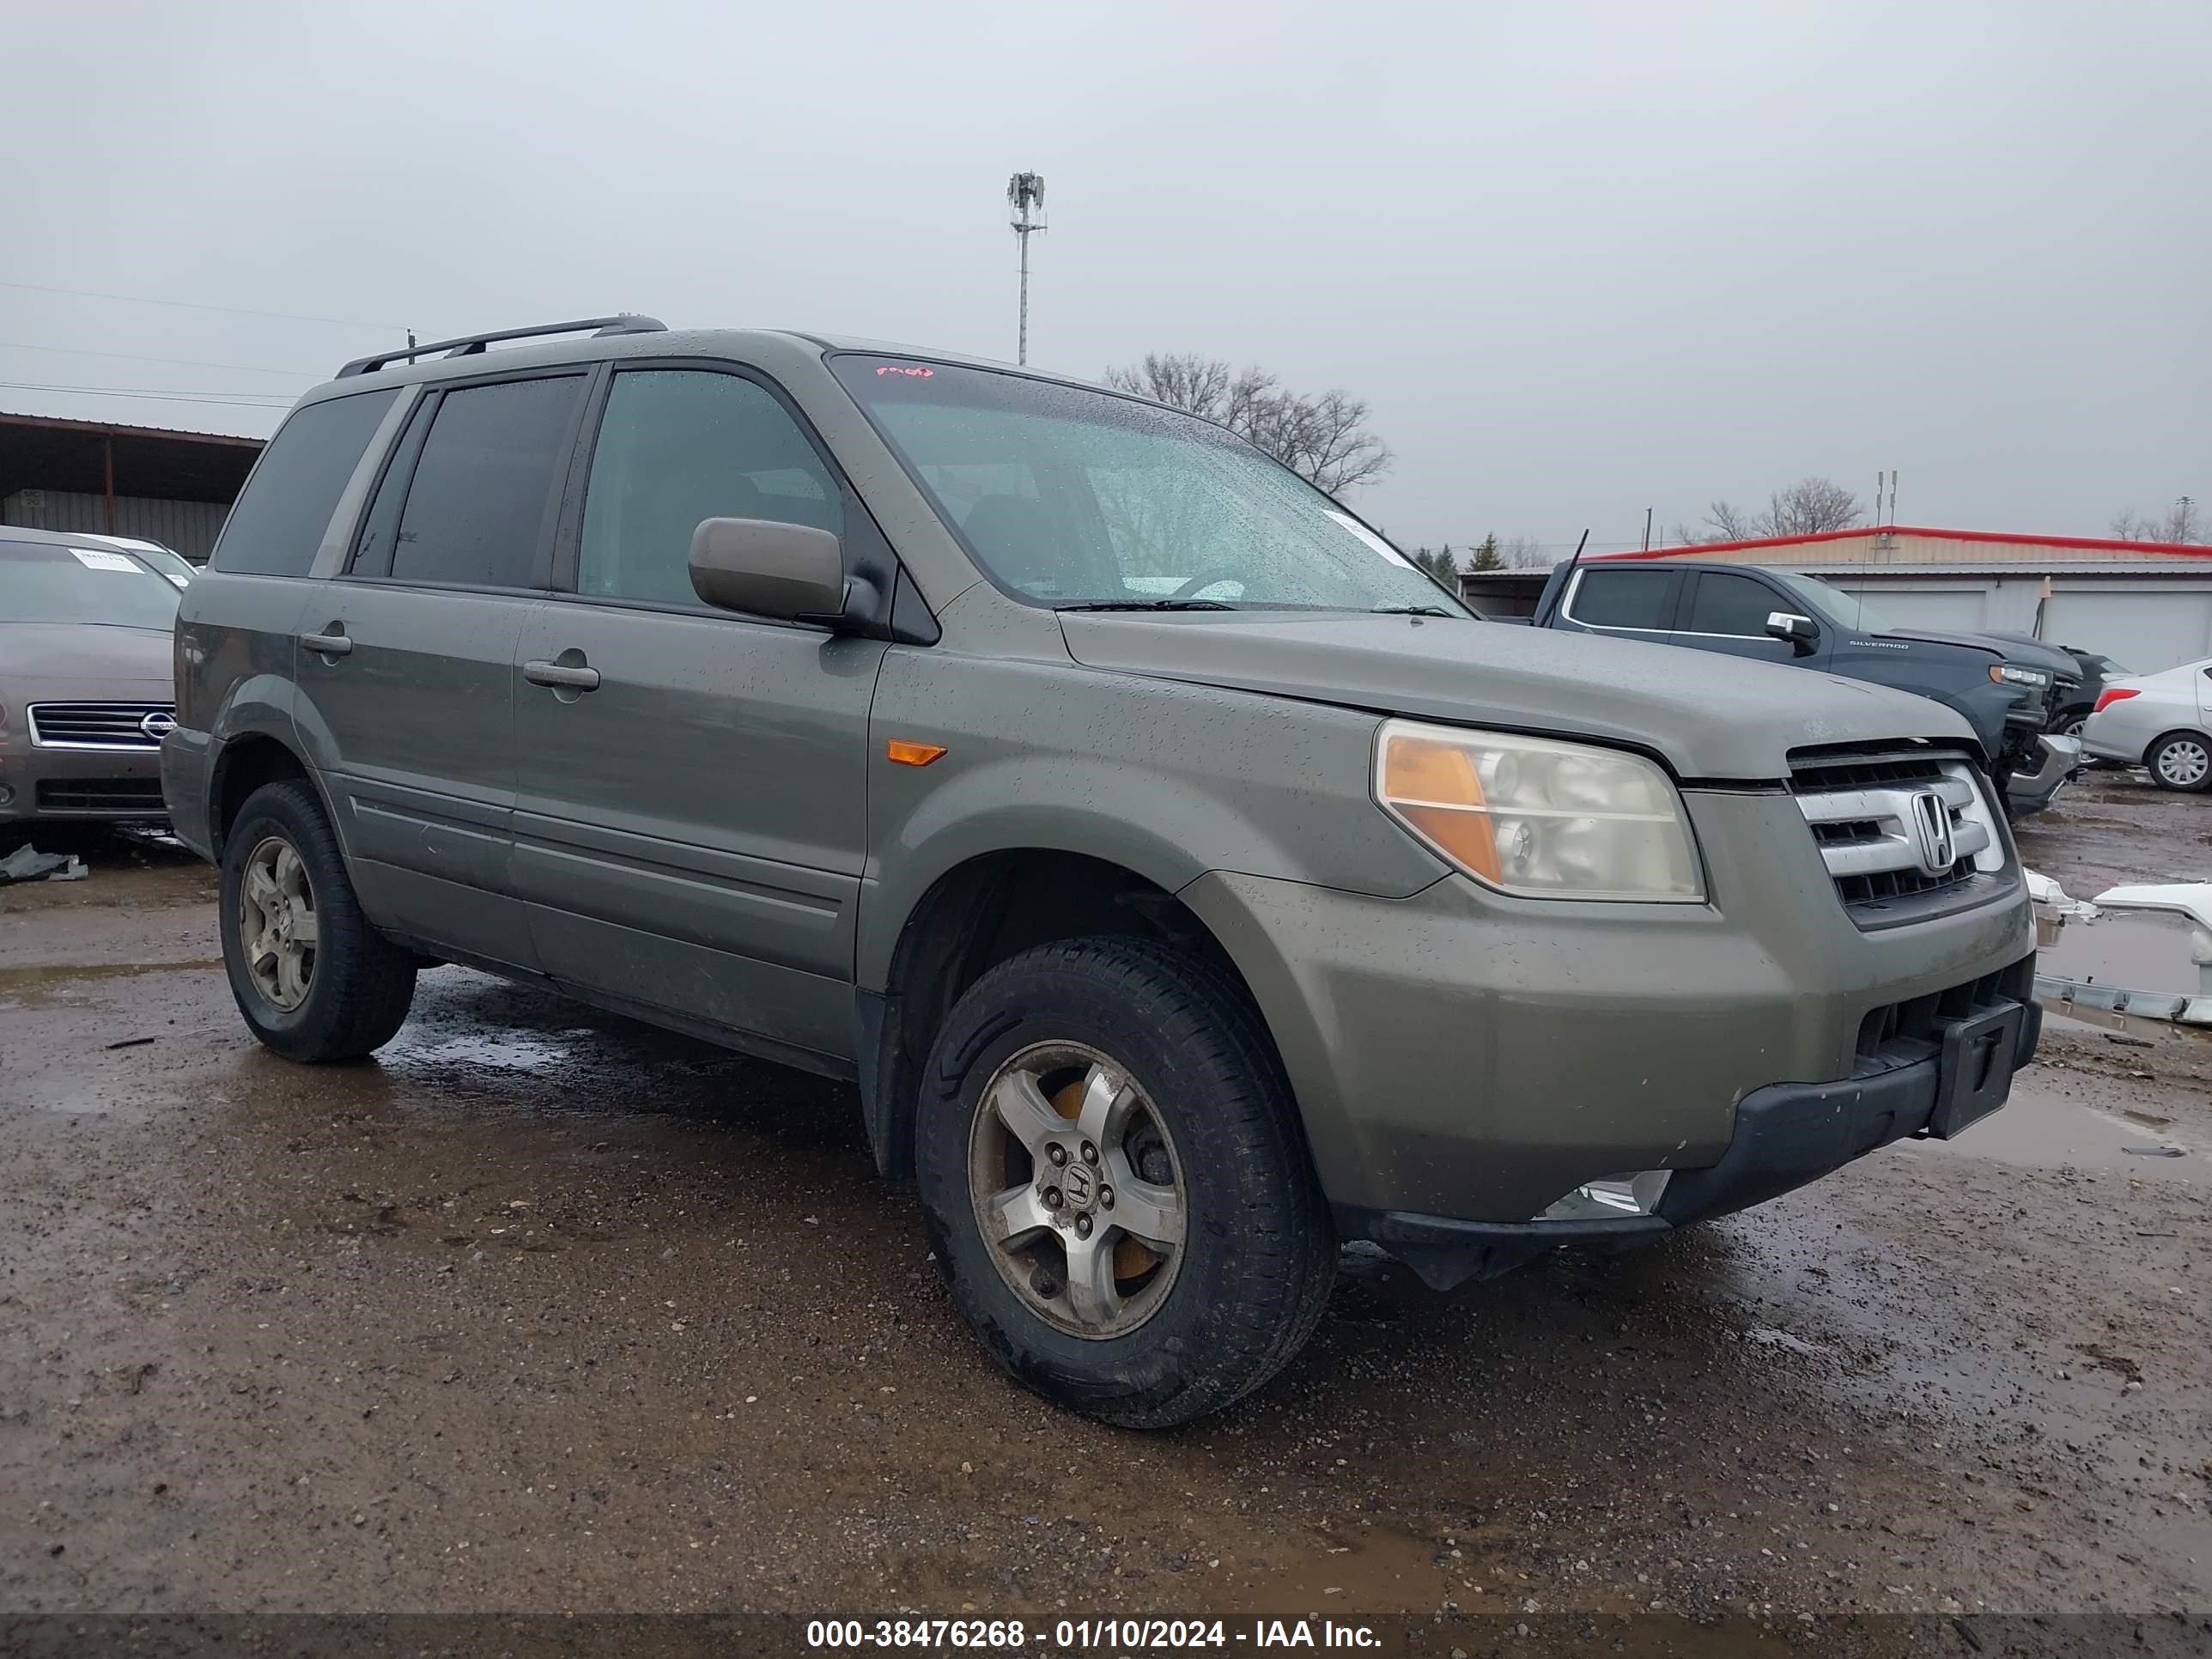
(1800,632)
(789,572)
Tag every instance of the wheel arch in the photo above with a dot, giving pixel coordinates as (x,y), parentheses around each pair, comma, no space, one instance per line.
(244,763)
(2194,733)
(985,908)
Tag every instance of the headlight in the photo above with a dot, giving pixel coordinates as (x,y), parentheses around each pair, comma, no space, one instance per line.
(1538,819)
(2012,674)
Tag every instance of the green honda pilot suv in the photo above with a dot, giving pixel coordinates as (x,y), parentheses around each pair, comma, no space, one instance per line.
(1187,884)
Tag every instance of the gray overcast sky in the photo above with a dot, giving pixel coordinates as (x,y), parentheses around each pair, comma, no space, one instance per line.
(1580,259)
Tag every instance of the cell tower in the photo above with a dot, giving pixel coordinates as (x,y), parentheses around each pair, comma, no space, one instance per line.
(1025,198)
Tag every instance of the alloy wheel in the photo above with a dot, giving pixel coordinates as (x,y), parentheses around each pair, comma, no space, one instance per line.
(276,922)
(1078,1190)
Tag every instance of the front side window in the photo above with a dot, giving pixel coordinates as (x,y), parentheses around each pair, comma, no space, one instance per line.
(1623,599)
(679,446)
(1738,605)
(43,583)
(1070,497)
(1830,605)
(277,524)
(481,502)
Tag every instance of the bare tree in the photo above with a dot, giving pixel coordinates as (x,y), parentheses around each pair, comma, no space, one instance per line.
(1728,522)
(1807,507)
(1525,553)
(2181,523)
(1187,380)
(1322,437)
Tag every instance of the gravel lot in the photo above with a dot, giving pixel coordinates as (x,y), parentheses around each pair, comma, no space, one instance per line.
(549,1311)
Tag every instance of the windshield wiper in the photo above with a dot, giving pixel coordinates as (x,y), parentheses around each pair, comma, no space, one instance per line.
(1410,611)
(1149,604)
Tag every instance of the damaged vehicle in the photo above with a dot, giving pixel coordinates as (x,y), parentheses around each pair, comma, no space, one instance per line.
(86,686)
(2008,694)
(1187,884)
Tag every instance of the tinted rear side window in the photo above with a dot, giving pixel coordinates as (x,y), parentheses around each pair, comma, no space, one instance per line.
(481,500)
(278,523)
(1623,599)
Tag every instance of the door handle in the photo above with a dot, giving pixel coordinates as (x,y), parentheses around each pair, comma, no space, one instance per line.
(560,674)
(333,644)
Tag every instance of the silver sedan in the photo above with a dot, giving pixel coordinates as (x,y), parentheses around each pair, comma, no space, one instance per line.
(2163,721)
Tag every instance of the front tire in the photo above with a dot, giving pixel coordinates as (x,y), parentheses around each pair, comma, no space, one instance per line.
(1117,1185)
(314,981)
(2181,761)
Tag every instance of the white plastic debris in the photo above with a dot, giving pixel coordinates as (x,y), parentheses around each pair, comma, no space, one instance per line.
(2053,908)
(2190,900)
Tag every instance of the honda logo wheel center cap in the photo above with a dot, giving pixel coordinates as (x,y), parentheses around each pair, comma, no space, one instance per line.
(1080,1183)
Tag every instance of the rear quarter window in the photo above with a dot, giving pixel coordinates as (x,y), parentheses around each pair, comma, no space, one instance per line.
(277,525)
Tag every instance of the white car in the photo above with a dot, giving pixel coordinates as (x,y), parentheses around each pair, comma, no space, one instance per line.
(2163,721)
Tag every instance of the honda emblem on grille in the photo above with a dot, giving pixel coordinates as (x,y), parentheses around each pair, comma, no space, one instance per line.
(158,725)
(1931,832)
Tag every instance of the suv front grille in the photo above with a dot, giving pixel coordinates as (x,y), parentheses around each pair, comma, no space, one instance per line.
(1899,1033)
(136,796)
(1876,817)
(100,725)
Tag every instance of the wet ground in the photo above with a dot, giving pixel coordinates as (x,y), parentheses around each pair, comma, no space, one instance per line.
(546,1311)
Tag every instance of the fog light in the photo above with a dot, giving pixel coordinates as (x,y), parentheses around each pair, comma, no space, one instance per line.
(1635,1193)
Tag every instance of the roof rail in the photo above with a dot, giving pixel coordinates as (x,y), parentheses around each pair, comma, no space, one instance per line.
(469,345)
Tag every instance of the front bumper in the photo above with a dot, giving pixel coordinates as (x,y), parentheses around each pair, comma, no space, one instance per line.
(1463,1055)
(2057,759)
(39,784)
(1787,1135)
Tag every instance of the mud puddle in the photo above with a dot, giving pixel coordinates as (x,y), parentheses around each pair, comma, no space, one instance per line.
(2046,1126)
(48,981)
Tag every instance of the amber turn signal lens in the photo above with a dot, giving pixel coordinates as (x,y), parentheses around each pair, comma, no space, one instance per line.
(913,754)
(1434,788)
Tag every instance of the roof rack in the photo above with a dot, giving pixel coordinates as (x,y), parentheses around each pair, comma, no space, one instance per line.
(471,345)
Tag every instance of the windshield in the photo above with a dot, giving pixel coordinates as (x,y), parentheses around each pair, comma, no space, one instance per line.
(1833,604)
(177,568)
(43,584)
(1071,497)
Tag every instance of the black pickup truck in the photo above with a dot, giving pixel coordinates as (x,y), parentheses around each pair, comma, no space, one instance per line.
(1786,617)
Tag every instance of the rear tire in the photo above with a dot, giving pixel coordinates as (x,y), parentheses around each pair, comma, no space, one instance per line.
(314,981)
(2181,761)
(1168,1054)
